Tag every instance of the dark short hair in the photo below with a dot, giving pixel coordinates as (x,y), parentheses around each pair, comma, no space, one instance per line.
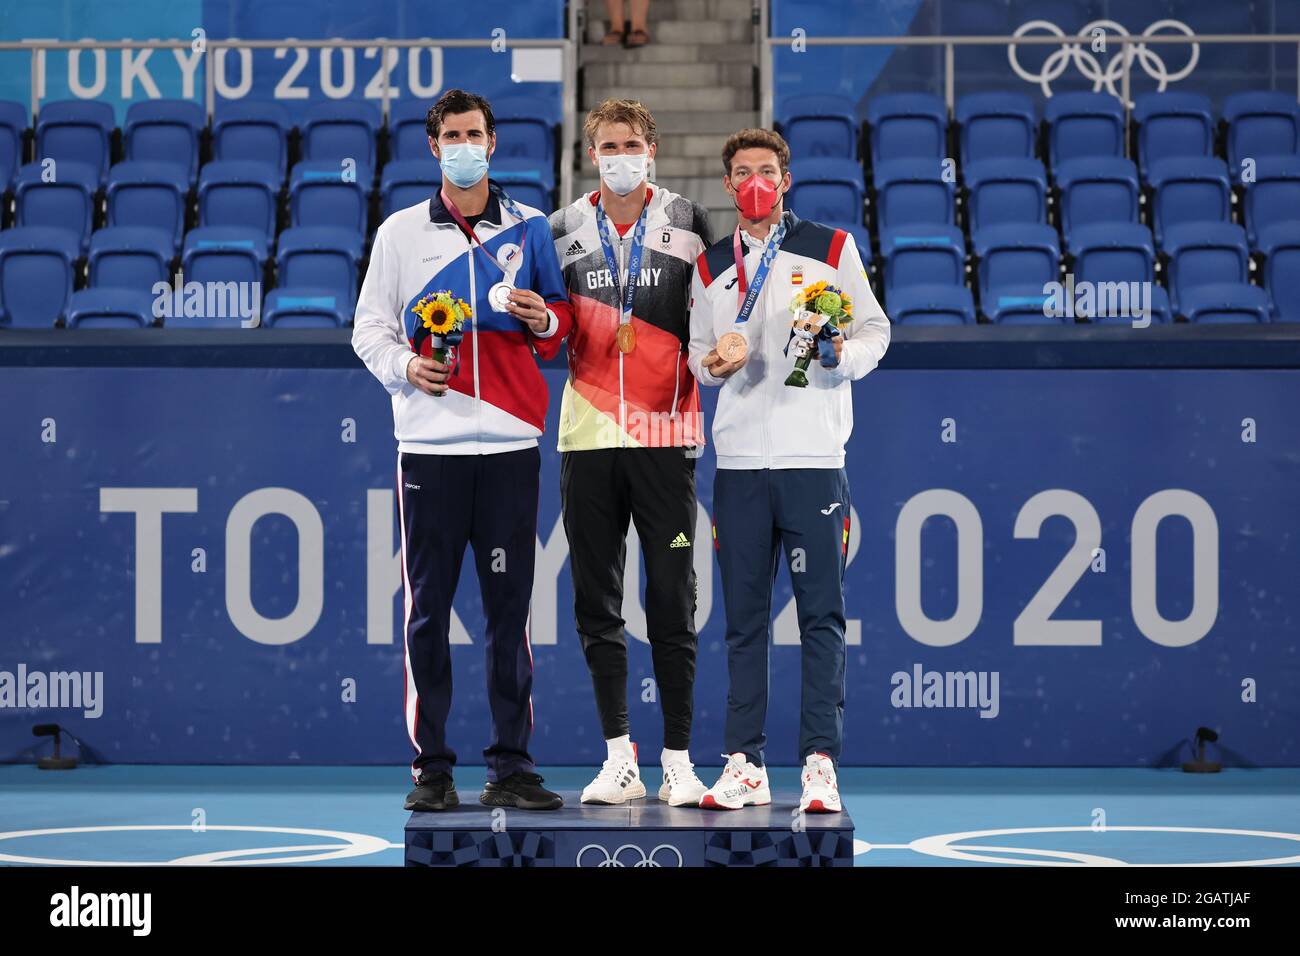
(756,139)
(458,101)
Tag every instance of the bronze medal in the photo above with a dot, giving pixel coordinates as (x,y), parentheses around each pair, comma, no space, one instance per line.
(626,338)
(732,347)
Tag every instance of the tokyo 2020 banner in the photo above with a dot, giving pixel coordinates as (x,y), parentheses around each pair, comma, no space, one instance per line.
(1071,567)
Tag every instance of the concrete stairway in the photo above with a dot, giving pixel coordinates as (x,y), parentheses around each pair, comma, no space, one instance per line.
(696,76)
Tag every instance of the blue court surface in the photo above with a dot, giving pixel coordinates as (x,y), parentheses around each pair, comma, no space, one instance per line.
(142,815)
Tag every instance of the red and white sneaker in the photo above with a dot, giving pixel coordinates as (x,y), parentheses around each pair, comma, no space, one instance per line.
(821,792)
(741,785)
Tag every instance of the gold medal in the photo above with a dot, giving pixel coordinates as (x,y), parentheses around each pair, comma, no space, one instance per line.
(732,347)
(626,338)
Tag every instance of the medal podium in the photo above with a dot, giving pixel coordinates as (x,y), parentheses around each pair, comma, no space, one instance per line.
(641,833)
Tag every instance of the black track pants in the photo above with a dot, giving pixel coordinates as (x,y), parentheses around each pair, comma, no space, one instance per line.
(601,490)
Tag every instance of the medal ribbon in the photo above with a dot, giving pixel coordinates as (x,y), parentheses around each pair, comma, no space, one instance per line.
(510,207)
(625,295)
(747,295)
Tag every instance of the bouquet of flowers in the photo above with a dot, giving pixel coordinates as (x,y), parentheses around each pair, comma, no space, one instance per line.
(441,327)
(818,311)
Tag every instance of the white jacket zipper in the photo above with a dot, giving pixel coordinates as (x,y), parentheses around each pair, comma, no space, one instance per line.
(473,322)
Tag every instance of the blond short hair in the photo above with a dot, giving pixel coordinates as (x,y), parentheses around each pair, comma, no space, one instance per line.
(631,112)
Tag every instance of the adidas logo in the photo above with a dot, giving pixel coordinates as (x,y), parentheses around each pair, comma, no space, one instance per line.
(681,541)
(576,249)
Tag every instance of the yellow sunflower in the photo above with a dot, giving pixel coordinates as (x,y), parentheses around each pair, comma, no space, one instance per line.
(438,314)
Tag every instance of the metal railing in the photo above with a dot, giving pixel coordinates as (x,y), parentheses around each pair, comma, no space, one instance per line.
(377,48)
(1131,46)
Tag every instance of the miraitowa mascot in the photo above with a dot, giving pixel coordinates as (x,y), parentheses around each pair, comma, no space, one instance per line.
(766,300)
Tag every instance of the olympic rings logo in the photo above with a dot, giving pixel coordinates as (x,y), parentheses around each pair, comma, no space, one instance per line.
(1080,54)
(615,858)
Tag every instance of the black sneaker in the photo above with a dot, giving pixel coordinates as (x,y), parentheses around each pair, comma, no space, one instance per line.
(523,790)
(433,792)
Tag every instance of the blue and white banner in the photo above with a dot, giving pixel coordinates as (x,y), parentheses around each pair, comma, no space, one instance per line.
(1047,567)
(1085,59)
(292,75)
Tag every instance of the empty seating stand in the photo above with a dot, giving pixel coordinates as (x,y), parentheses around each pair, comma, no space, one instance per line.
(913,192)
(1083,125)
(820,127)
(36,275)
(996,126)
(827,189)
(1172,126)
(907,126)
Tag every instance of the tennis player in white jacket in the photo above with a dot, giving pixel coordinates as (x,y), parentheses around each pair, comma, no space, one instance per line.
(780,482)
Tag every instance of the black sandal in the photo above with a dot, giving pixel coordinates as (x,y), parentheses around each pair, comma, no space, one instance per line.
(631,37)
(614,38)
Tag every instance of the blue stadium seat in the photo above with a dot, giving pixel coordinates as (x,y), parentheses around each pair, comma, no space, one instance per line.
(907,126)
(525,130)
(861,238)
(820,126)
(69,202)
(223,254)
(1014,264)
(257,131)
(932,305)
(1097,189)
(110,309)
(524,181)
(165,131)
(926,256)
(1274,196)
(13,124)
(306,308)
(407,137)
(1083,124)
(321,194)
(1259,124)
(1224,303)
(149,194)
(1005,190)
(77,130)
(1279,245)
(341,129)
(1118,263)
(130,257)
(910,192)
(36,275)
(320,256)
(996,126)
(1204,252)
(1172,125)
(239,192)
(405,182)
(1189,189)
(826,189)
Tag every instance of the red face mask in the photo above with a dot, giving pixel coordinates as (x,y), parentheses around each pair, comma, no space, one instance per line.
(756,197)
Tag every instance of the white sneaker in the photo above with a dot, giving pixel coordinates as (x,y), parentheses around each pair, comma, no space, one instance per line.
(619,779)
(741,785)
(681,787)
(821,792)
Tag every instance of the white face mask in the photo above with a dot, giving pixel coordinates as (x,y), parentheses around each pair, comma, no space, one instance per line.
(623,173)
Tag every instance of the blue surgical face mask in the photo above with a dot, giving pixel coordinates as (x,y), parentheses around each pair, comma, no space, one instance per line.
(464,163)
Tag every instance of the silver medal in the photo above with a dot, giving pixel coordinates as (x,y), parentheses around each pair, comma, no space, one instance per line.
(499,296)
